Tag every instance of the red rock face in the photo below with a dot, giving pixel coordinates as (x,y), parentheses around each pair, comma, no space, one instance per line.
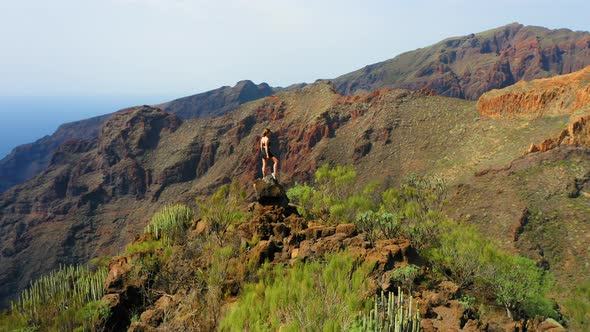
(468,66)
(558,95)
(576,134)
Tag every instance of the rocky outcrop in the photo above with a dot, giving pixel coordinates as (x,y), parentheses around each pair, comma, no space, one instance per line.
(270,192)
(468,66)
(563,94)
(576,134)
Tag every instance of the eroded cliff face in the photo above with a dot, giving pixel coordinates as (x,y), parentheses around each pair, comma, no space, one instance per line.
(576,134)
(565,94)
(468,66)
(56,217)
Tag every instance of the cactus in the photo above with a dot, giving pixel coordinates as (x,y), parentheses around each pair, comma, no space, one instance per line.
(390,313)
(170,222)
(66,287)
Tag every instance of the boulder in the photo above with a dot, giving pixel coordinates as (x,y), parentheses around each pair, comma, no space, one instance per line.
(550,325)
(270,192)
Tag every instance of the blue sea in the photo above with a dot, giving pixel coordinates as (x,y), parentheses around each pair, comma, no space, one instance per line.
(26,119)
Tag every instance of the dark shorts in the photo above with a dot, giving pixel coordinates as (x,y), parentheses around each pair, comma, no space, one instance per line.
(263,154)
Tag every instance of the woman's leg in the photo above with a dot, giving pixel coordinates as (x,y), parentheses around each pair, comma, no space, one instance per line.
(275,167)
(263,167)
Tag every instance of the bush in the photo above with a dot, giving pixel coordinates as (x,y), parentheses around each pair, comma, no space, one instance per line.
(459,254)
(416,205)
(313,296)
(405,276)
(337,182)
(334,197)
(144,247)
(170,223)
(465,256)
(371,223)
(302,196)
(222,211)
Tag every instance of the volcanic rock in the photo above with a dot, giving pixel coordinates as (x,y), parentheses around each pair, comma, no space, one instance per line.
(468,66)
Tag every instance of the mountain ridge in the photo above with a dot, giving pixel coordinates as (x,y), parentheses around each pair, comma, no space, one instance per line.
(470,65)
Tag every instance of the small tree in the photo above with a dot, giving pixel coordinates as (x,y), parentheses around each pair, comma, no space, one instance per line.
(459,253)
(519,285)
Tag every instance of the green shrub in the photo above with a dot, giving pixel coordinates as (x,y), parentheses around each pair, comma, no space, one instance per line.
(390,313)
(371,223)
(460,253)
(367,223)
(170,223)
(405,276)
(334,198)
(143,247)
(416,205)
(302,196)
(337,182)
(312,296)
(223,210)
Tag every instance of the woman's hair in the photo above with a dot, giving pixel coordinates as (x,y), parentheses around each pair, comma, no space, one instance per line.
(265,132)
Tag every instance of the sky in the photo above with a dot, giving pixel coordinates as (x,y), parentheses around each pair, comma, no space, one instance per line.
(66,60)
(181,47)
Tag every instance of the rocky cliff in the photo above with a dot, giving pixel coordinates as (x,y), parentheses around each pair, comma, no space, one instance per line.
(27,160)
(563,94)
(468,66)
(576,134)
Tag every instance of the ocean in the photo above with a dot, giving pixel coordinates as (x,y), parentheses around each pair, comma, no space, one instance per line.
(26,119)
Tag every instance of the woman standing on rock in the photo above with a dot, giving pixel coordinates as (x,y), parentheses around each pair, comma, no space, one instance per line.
(267,155)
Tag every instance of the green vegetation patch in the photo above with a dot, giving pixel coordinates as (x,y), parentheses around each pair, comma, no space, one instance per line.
(65,299)
(315,296)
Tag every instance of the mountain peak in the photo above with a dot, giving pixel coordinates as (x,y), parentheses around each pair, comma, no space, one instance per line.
(467,66)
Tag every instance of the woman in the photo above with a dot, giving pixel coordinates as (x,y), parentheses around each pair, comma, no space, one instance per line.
(266,154)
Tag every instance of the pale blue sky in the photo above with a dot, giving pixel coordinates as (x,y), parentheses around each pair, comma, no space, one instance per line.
(181,47)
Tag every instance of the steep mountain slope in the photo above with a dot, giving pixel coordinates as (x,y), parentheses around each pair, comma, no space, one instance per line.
(538,206)
(27,160)
(97,194)
(468,66)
